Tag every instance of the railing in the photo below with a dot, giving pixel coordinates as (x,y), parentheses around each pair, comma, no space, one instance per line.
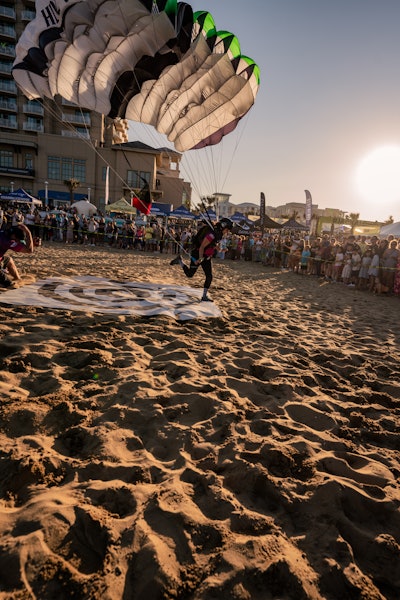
(33,127)
(8,123)
(35,109)
(7,50)
(82,119)
(8,105)
(70,133)
(28,15)
(8,86)
(65,102)
(8,31)
(5,67)
(7,11)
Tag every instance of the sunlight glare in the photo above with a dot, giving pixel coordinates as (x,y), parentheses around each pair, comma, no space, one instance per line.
(378,175)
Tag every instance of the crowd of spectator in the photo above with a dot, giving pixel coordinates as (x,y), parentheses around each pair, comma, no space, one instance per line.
(362,262)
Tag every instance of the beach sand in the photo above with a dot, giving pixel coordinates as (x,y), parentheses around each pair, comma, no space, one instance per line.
(253,456)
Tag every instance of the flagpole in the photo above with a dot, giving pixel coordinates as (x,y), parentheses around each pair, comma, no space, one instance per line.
(107,186)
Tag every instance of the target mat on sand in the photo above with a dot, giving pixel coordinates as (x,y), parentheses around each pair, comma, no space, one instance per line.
(98,295)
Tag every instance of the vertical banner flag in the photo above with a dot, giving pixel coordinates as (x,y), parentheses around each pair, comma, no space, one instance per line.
(308,208)
(262,211)
(107,186)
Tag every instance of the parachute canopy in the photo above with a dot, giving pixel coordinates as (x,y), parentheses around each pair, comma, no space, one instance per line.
(152,61)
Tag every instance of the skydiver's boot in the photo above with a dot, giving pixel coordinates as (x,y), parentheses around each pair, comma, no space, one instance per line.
(205,298)
(177,260)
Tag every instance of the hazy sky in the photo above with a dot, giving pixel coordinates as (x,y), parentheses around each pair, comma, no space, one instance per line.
(329,96)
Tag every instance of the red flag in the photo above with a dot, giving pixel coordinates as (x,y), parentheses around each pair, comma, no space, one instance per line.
(143,206)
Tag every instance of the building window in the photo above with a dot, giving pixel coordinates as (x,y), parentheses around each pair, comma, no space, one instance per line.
(137,179)
(28,161)
(6,158)
(62,168)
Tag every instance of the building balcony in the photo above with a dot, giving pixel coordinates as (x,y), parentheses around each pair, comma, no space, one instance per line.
(8,123)
(37,127)
(75,133)
(78,119)
(33,108)
(7,50)
(8,31)
(9,87)
(5,67)
(65,102)
(7,13)
(28,15)
(10,105)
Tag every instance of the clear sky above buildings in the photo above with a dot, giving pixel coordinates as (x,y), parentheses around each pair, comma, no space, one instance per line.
(327,116)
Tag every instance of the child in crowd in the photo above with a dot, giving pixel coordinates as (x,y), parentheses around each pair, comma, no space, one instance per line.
(346,272)
(338,264)
(363,275)
(373,271)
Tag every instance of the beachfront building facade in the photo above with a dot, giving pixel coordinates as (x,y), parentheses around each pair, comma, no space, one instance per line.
(44,144)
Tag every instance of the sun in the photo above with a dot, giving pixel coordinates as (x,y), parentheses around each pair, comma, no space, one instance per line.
(377,176)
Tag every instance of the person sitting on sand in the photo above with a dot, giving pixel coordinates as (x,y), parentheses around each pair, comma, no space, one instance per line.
(18,239)
(203,248)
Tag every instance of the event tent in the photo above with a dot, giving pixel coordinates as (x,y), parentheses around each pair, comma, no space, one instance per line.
(21,196)
(182,213)
(206,216)
(121,206)
(268,223)
(293,225)
(390,229)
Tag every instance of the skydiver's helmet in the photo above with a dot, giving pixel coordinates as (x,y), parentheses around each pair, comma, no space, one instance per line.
(225,223)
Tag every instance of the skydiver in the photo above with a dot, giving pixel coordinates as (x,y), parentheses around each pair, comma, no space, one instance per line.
(203,248)
(18,239)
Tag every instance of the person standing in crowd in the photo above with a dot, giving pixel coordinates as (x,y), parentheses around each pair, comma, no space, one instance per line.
(388,263)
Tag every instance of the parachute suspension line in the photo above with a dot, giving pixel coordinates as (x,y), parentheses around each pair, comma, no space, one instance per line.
(238,140)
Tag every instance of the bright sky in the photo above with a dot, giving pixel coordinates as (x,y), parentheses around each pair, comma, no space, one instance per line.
(327,115)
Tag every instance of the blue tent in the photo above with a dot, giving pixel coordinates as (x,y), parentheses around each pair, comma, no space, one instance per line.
(239,217)
(207,216)
(157,212)
(182,213)
(21,196)
(160,209)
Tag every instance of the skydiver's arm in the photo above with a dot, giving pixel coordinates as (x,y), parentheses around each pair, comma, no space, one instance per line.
(28,248)
(203,246)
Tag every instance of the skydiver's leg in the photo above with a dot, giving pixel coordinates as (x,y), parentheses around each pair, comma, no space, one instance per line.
(11,267)
(207,268)
(190,270)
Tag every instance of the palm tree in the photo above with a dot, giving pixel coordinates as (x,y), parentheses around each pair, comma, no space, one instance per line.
(72,184)
(353,219)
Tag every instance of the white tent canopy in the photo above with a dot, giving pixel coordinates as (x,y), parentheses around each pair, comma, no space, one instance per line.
(84,207)
(391,229)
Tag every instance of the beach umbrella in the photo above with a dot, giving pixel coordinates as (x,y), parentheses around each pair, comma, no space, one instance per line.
(84,207)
